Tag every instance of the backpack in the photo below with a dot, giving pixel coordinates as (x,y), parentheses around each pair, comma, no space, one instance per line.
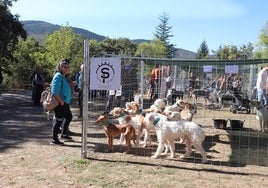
(48,101)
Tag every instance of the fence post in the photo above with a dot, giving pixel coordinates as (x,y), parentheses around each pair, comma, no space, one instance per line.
(85,100)
(142,83)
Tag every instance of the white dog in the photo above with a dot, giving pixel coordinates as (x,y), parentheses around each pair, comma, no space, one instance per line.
(158,106)
(176,107)
(168,131)
(262,114)
(173,116)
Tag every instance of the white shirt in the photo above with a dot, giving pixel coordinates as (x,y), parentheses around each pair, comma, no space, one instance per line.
(261,79)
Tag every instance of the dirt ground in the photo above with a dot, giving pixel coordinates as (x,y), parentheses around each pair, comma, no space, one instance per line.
(235,158)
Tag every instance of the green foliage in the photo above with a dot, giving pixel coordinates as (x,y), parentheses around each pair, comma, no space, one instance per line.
(7,2)
(94,48)
(10,32)
(232,52)
(163,33)
(262,45)
(64,44)
(203,51)
(246,51)
(155,49)
(26,56)
(115,46)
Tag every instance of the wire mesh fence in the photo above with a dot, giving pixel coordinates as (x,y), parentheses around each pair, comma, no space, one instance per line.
(221,92)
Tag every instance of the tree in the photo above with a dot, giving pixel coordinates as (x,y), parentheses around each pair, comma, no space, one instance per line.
(232,52)
(228,52)
(155,49)
(126,46)
(118,46)
(64,44)
(29,55)
(262,45)
(202,52)
(162,33)
(246,51)
(94,47)
(10,32)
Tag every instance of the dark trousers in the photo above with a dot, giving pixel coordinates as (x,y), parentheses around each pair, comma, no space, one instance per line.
(110,103)
(113,101)
(80,102)
(37,91)
(63,116)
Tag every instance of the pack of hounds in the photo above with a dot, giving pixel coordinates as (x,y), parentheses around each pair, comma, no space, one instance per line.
(170,123)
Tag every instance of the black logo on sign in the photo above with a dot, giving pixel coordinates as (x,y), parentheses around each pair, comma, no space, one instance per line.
(105,72)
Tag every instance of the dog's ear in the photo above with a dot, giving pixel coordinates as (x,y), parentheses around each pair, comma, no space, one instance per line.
(127,119)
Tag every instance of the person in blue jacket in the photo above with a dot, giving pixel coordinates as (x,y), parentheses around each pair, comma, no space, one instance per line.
(61,89)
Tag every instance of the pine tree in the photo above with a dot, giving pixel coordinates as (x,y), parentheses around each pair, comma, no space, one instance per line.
(163,33)
(203,51)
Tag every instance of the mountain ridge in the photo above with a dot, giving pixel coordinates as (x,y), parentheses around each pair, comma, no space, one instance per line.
(40,29)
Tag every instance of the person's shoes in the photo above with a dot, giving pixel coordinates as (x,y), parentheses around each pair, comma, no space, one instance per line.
(66,137)
(56,142)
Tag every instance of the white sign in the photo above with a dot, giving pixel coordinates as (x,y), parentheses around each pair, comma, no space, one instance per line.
(207,68)
(105,73)
(231,69)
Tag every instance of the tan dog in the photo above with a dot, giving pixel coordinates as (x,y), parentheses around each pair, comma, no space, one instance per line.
(188,112)
(136,120)
(132,107)
(112,130)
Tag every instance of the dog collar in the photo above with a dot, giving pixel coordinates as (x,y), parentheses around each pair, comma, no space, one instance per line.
(106,122)
(139,111)
(122,114)
(190,112)
(156,120)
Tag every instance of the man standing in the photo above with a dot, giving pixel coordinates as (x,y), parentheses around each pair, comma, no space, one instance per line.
(261,86)
(38,81)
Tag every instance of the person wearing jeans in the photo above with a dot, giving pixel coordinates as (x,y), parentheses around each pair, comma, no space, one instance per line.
(261,86)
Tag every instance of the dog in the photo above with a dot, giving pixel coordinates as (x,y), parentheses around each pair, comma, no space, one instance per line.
(173,116)
(197,93)
(173,95)
(112,130)
(212,101)
(176,107)
(132,107)
(136,120)
(158,106)
(262,114)
(188,112)
(168,131)
(43,98)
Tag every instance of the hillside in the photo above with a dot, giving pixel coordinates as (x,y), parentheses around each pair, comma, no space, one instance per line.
(39,30)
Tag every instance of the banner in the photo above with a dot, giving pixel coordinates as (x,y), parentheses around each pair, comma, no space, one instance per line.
(231,69)
(105,74)
(207,68)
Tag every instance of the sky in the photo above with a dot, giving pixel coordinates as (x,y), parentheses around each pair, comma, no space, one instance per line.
(217,22)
